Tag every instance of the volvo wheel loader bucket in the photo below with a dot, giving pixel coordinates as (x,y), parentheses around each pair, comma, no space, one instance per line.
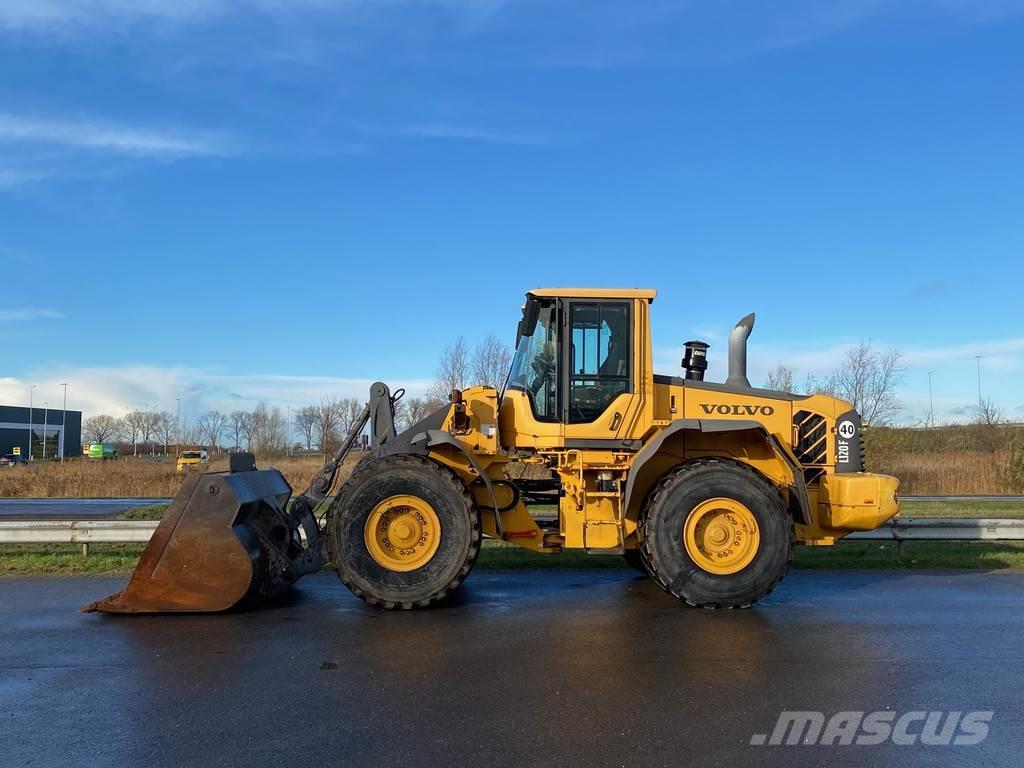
(227,537)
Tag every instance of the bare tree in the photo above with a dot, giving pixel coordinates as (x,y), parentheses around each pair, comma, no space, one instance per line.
(150,422)
(192,436)
(269,430)
(327,424)
(989,414)
(241,426)
(868,380)
(211,426)
(259,437)
(780,379)
(414,411)
(452,370)
(491,362)
(275,430)
(353,409)
(988,425)
(417,408)
(166,429)
(815,386)
(131,426)
(248,425)
(401,415)
(306,418)
(349,411)
(101,429)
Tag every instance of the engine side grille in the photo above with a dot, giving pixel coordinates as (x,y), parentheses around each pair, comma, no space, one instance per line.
(811,445)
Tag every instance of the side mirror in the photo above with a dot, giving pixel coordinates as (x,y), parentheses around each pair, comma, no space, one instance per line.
(531,311)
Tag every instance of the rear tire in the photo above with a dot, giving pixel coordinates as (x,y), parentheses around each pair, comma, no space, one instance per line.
(635,560)
(405,491)
(748,508)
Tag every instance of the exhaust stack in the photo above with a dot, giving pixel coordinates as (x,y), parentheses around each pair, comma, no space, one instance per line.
(738,352)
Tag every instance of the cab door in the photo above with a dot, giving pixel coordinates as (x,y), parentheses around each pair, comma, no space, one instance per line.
(598,381)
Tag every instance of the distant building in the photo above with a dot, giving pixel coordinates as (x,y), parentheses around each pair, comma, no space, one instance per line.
(54,432)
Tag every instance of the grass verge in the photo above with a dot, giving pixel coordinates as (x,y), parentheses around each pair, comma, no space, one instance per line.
(151,512)
(68,560)
(964,509)
(970,555)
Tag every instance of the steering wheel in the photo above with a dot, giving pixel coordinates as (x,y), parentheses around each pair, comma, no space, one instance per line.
(543,366)
(594,398)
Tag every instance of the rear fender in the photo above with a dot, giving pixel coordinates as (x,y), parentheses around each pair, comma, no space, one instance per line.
(669,447)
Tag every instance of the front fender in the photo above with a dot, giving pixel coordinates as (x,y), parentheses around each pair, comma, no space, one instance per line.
(434,438)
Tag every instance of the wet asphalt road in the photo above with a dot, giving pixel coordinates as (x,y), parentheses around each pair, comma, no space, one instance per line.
(595,668)
(70,509)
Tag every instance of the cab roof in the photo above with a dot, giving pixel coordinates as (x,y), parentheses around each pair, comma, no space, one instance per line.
(595,293)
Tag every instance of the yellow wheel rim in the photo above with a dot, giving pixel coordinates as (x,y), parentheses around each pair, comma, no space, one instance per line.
(721,536)
(402,533)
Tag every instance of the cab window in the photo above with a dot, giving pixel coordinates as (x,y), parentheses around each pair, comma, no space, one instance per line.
(600,357)
(535,366)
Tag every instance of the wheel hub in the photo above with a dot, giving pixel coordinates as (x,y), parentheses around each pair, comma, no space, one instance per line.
(402,533)
(721,536)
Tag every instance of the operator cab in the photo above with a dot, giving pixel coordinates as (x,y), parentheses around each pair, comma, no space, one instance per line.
(577,362)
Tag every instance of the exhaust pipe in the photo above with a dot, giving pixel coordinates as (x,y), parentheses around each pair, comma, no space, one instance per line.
(738,352)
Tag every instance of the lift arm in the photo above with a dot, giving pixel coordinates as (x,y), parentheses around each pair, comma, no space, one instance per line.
(380,413)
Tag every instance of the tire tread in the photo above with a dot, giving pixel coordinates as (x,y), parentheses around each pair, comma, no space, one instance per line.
(449,480)
(654,497)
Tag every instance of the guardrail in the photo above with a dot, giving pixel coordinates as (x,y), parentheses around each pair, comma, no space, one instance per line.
(951,529)
(86,532)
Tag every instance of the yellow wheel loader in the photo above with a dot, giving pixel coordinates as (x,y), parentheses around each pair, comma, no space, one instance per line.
(705,486)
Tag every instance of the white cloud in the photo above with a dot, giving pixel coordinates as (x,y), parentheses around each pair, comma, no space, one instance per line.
(105,136)
(823,19)
(11,315)
(462,133)
(706,333)
(35,15)
(116,390)
(1004,354)
(10,177)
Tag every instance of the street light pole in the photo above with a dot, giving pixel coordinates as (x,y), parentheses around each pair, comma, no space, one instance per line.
(177,429)
(931,402)
(31,392)
(978,358)
(46,414)
(63,422)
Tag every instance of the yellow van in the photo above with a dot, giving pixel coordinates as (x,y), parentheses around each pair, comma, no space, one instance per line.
(192,460)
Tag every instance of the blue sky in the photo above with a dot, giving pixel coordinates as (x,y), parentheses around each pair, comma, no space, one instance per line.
(233,201)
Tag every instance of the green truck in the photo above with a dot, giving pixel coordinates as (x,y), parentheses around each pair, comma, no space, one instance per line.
(102,451)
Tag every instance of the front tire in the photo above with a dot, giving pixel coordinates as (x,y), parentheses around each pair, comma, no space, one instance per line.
(403,532)
(716,534)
